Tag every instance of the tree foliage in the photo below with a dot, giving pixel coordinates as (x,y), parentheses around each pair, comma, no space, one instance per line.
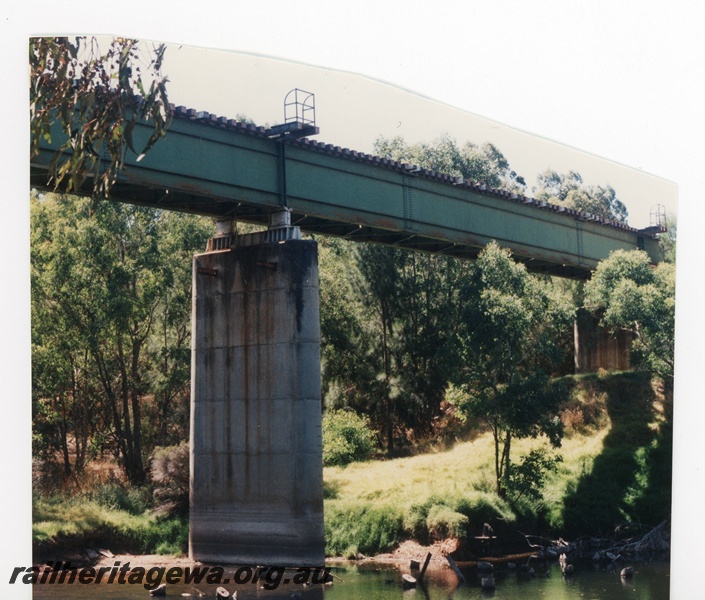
(569,189)
(627,292)
(346,438)
(110,318)
(483,164)
(510,343)
(348,371)
(97,97)
(411,302)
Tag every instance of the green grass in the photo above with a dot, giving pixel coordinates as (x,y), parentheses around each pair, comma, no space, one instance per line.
(434,496)
(403,481)
(79,521)
(615,470)
(465,471)
(361,527)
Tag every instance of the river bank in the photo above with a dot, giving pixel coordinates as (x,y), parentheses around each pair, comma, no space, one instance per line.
(615,473)
(653,544)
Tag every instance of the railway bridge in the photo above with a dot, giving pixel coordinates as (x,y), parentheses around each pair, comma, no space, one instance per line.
(256,466)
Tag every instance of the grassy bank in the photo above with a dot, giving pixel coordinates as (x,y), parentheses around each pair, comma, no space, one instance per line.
(615,471)
(106,518)
(372,506)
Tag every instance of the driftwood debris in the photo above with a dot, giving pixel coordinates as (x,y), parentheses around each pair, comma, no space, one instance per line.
(425,566)
(408,582)
(654,542)
(456,570)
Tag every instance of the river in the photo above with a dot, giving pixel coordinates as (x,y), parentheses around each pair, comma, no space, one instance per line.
(383,582)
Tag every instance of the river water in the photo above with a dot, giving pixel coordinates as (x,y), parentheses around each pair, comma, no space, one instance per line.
(368,581)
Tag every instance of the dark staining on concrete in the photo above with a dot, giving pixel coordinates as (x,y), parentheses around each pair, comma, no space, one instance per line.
(300,257)
(266,488)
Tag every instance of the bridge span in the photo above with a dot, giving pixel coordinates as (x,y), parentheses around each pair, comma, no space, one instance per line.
(216,166)
(255,442)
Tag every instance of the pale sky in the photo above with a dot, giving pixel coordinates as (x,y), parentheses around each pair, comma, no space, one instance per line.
(619,80)
(353,110)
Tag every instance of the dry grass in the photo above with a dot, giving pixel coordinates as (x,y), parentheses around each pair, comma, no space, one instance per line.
(467,467)
(403,481)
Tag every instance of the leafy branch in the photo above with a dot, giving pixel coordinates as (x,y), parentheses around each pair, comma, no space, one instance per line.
(97,98)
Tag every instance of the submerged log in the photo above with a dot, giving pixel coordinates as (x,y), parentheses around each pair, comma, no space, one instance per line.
(488,583)
(483,565)
(455,568)
(408,582)
(425,566)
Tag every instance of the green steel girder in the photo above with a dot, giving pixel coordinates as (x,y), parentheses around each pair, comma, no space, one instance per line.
(213,167)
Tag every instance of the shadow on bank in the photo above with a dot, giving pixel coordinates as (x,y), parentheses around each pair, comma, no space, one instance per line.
(629,482)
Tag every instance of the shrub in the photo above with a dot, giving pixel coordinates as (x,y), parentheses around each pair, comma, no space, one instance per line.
(116,496)
(458,516)
(165,536)
(527,478)
(586,411)
(482,507)
(170,474)
(442,523)
(360,527)
(346,438)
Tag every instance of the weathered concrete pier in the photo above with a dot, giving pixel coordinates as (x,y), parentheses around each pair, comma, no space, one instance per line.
(256,466)
(598,348)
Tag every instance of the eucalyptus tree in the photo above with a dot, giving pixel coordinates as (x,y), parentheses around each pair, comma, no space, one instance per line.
(397,337)
(569,189)
(110,286)
(483,164)
(348,366)
(512,322)
(97,96)
(380,281)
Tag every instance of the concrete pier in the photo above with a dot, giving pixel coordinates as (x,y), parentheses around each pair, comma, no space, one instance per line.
(596,348)
(256,466)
